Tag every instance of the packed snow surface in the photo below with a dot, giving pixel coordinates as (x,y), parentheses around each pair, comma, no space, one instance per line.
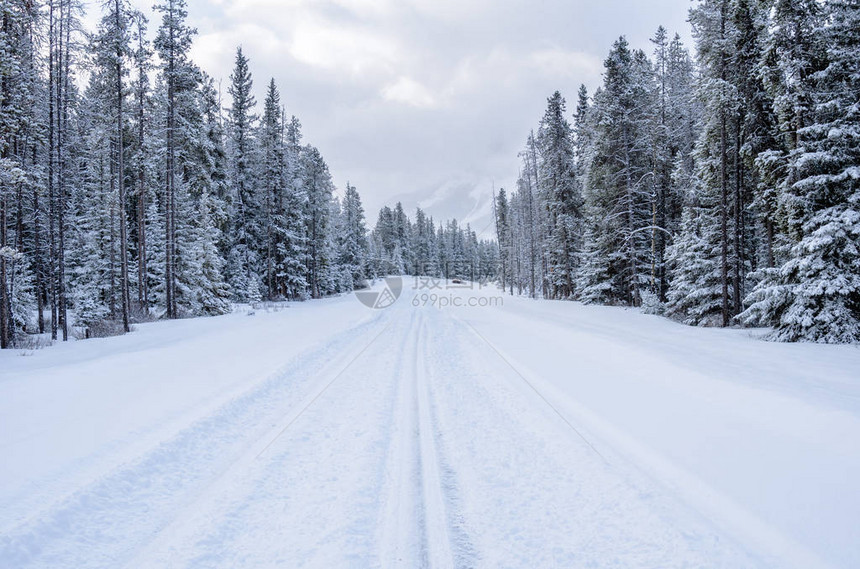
(523,434)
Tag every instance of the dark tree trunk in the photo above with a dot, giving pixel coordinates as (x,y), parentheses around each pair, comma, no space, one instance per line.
(64,61)
(120,175)
(52,201)
(170,178)
(724,245)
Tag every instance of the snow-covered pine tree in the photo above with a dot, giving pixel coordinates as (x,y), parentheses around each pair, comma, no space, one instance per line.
(675,133)
(92,238)
(561,196)
(403,237)
(62,20)
(201,286)
(754,134)
(18,175)
(385,238)
(818,295)
(794,54)
(619,188)
(112,50)
(504,238)
(695,296)
(423,236)
(715,37)
(140,154)
(243,262)
(352,242)
(291,223)
(173,41)
(273,181)
(529,216)
(318,188)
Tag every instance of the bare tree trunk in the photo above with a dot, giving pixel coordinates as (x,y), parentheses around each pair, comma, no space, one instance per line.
(7,333)
(142,285)
(738,229)
(7,330)
(120,174)
(112,258)
(633,293)
(499,239)
(270,256)
(52,202)
(769,230)
(724,246)
(532,170)
(170,190)
(37,245)
(62,123)
(33,151)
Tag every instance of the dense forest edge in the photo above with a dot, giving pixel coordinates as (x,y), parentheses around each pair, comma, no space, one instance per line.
(718,189)
(140,196)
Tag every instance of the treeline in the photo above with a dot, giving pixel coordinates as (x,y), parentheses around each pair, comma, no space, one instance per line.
(719,189)
(136,196)
(401,246)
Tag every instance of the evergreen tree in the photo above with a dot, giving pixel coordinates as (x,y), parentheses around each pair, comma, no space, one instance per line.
(291,223)
(112,48)
(141,152)
(273,180)
(560,194)
(173,41)
(620,181)
(352,238)
(817,296)
(243,262)
(505,240)
(18,175)
(316,184)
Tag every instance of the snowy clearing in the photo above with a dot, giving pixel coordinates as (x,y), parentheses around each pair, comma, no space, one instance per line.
(528,434)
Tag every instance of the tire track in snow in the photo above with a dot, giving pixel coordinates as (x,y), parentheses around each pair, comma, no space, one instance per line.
(743,527)
(530,384)
(437,547)
(330,374)
(533,494)
(421,526)
(401,524)
(463,553)
(314,497)
(105,523)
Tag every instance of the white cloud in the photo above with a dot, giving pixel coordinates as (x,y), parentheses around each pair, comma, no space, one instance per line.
(410,92)
(353,51)
(451,10)
(561,63)
(212,50)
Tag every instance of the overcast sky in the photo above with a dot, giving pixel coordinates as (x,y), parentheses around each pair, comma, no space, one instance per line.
(423,101)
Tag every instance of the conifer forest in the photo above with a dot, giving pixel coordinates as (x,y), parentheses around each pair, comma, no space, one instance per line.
(717,184)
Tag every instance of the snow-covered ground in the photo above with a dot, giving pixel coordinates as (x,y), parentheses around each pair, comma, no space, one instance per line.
(528,434)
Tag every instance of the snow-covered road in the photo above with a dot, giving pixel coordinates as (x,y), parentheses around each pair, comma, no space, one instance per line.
(532,434)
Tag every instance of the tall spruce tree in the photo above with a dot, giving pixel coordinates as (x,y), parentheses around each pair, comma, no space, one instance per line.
(243,262)
(560,194)
(352,238)
(173,41)
(817,295)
